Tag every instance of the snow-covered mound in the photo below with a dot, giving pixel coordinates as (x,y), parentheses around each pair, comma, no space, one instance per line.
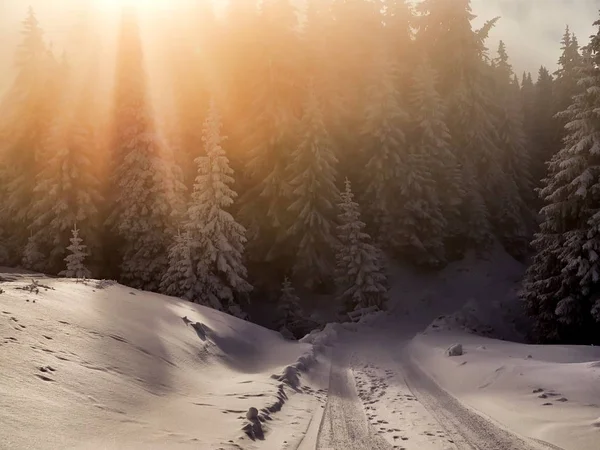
(100,365)
(545,392)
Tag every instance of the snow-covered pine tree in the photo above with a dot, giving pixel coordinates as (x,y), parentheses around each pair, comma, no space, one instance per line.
(516,222)
(560,289)
(180,278)
(384,147)
(32,258)
(457,52)
(314,193)
(565,82)
(439,197)
(67,187)
(360,273)
(27,108)
(543,136)
(146,189)
(217,239)
(76,257)
(270,127)
(288,306)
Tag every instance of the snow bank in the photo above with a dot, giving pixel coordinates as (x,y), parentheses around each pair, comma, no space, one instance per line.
(544,392)
(105,366)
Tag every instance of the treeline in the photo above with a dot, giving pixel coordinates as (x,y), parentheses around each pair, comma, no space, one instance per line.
(441,142)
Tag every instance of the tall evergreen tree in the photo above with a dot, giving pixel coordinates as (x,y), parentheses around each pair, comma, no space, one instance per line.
(361,277)
(146,185)
(314,194)
(23,129)
(385,148)
(560,288)
(565,84)
(516,222)
(67,188)
(270,130)
(442,192)
(543,139)
(211,252)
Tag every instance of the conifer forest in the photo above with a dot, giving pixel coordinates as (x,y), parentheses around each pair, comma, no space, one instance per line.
(302,148)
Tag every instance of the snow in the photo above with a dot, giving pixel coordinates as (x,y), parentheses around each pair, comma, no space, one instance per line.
(105,365)
(545,392)
(95,365)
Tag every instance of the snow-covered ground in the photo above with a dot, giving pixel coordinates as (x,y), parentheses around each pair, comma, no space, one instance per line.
(545,392)
(89,366)
(84,367)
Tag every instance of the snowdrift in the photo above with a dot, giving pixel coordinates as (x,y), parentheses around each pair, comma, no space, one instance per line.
(100,365)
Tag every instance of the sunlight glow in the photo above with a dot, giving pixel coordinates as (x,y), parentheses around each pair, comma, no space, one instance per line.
(142,5)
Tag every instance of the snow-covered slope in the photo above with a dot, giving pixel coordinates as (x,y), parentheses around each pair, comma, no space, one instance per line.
(88,367)
(546,392)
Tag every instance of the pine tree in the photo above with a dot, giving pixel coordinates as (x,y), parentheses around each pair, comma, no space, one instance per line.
(146,185)
(441,186)
(458,54)
(288,306)
(312,176)
(180,278)
(76,257)
(515,223)
(384,145)
(67,188)
(565,85)
(270,127)
(214,240)
(561,284)
(29,106)
(543,138)
(361,277)
(32,258)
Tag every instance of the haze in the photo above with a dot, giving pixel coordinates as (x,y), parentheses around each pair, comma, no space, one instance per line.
(531,29)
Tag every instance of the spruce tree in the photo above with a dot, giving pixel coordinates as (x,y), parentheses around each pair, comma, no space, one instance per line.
(361,277)
(67,188)
(314,193)
(384,146)
(270,126)
(180,278)
(288,306)
(29,105)
(561,284)
(214,240)
(516,221)
(32,258)
(543,139)
(76,257)
(146,188)
(565,84)
(441,186)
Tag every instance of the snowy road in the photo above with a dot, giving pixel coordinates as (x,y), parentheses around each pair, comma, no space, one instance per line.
(344,424)
(469,429)
(378,400)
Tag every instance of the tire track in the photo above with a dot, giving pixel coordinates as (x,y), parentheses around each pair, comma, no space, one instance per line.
(344,425)
(469,429)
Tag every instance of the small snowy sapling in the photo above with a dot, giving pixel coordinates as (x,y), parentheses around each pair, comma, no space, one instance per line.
(75,266)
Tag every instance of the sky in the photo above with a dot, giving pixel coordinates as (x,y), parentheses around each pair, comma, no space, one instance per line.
(531,29)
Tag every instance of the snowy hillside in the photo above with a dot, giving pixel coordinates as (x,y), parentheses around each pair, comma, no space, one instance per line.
(87,367)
